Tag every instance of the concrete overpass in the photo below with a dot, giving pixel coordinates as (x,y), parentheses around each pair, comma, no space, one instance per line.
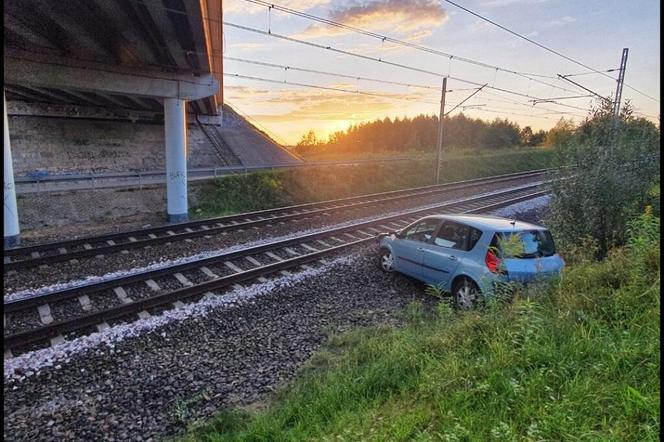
(158,55)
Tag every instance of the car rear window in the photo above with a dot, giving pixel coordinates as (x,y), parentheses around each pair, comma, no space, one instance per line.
(525,244)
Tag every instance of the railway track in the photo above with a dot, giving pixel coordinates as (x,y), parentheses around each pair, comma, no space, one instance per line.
(19,258)
(31,323)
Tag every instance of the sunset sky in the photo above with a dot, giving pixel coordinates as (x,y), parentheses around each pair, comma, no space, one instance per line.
(590,31)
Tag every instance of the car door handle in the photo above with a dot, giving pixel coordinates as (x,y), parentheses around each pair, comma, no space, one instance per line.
(420,248)
(452,258)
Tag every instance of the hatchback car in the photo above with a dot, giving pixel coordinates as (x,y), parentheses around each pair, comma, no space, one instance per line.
(469,255)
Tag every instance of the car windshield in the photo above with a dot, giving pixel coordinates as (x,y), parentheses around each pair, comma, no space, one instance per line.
(526,244)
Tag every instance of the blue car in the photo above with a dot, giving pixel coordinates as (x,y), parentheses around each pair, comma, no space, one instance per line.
(468,255)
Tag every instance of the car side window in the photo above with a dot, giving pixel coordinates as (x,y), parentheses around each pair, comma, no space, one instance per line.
(421,231)
(457,236)
(475,236)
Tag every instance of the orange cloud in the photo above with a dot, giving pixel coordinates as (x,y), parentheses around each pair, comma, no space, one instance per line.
(240,6)
(397,16)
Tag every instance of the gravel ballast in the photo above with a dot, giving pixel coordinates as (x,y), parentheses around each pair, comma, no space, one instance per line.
(152,383)
(131,389)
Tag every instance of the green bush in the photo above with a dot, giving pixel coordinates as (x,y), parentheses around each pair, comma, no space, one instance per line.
(606,173)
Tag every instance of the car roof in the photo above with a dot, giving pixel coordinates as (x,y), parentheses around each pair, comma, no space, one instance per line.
(487,222)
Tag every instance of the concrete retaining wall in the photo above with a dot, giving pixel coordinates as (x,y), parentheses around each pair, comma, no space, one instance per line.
(58,145)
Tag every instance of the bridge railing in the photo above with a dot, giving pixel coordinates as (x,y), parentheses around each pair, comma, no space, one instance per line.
(90,181)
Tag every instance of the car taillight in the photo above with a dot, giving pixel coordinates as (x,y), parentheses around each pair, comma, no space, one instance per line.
(492,262)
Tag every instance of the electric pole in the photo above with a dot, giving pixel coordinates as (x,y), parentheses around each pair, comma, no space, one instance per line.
(440,129)
(619,87)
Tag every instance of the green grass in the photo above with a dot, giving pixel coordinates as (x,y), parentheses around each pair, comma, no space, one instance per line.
(264,190)
(577,362)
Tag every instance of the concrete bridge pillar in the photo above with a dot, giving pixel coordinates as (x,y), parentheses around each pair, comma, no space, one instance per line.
(11,226)
(175,126)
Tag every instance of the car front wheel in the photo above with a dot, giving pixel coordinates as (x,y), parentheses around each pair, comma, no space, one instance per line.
(466,294)
(386,261)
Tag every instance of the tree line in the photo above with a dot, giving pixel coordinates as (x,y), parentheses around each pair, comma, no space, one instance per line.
(420,133)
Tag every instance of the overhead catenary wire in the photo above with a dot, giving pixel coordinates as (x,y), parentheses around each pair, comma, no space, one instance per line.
(546,48)
(591,73)
(354,77)
(327,88)
(280,66)
(504,99)
(466,99)
(332,74)
(549,111)
(497,111)
(562,98)
(384,38)
(294,68)
(369,58)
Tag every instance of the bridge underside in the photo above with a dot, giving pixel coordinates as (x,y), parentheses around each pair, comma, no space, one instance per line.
(169,37)
(152,38)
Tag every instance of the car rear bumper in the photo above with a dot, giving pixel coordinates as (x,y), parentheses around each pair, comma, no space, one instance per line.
(503,284)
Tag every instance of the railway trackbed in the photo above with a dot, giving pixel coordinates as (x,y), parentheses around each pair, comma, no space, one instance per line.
(21,258)
(46,319)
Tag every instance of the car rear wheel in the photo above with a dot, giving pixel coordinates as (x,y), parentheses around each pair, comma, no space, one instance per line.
(466,294)
(386,261)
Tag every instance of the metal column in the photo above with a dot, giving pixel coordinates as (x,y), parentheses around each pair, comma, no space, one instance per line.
(439,150)
(176,158)
(619,86)
(11,226)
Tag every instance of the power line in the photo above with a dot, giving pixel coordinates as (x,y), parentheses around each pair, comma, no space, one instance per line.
(553,51)
(466,99)
(333,74)
(552,111)
(384,38)
(551,100)
(498,111)
(327,88)
(591,73)
(580,86)
(366,57)
(555,103)
(530,106)
(388,39)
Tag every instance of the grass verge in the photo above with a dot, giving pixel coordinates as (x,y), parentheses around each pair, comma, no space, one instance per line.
(264,190)
(580,361)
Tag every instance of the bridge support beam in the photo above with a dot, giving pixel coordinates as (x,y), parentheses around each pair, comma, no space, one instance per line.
(11,226)
(175,127)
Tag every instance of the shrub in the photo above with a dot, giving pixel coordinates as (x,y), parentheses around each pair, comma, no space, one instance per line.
(606,174)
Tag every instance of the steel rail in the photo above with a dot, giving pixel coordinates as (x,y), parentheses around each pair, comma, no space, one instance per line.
(488,202)
(69,293)
(227,223)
